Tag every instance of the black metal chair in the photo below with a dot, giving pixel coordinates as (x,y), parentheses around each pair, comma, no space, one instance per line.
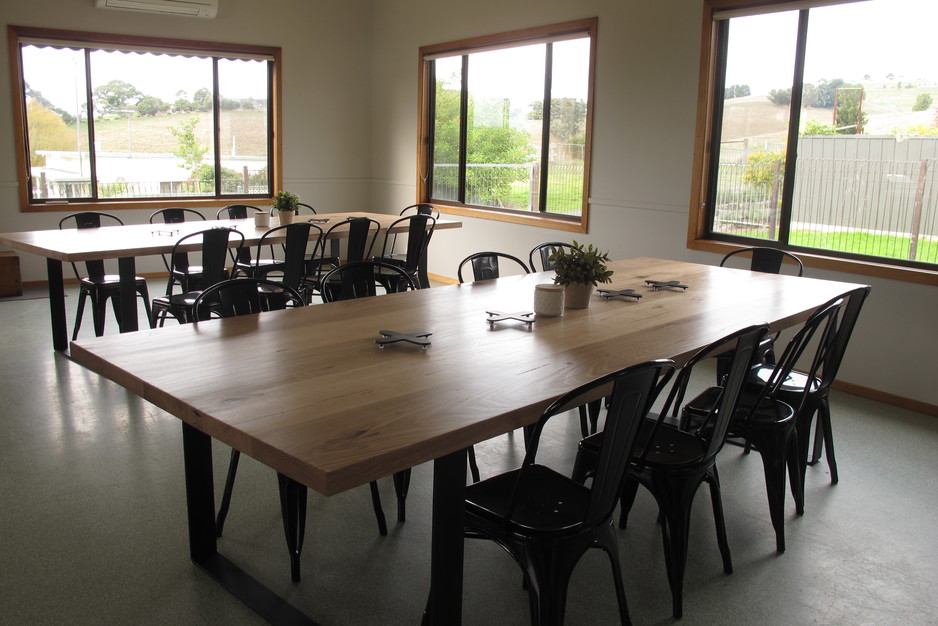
(177,215)
(246,296)
(96,283)
(768,261)
(360,241)
(296,249)
(362,280)
(214,253)
(543,252)
(242,261)
(422,208)
(780,437)
(485,265)
(672,463)
(547,521)
(419,231)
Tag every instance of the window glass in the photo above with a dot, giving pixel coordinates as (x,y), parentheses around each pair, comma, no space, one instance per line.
(446,134)
(110,123)
(501,164)
(57,122)
(568,106)
(860,182)
(243,124)
(508,123)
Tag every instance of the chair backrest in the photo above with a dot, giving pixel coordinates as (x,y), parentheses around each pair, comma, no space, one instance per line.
(359,280)
(214,252)
(236,212)
(294,249)
(828,330)
(713,428)
(543,251)
(90,219)
(244,296)
(300,207)
(633,391)
(175,215)
(485,265)
(423,208)
(419,230)
(766,260)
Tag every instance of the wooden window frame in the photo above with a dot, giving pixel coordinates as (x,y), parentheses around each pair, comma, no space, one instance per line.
(555,221)
(156,44)
(697,225)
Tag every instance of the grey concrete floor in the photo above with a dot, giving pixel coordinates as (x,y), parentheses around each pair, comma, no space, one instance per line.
(93,528)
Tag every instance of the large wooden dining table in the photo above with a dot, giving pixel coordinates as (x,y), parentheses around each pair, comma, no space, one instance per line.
(313,396)
(134,240)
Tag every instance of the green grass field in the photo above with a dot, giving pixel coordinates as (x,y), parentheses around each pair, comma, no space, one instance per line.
(856,242)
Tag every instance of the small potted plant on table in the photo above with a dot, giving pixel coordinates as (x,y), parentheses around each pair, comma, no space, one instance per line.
(580,270)
(286,203)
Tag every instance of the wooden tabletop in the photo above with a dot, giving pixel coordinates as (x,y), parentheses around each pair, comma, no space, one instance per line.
(132,240)
(310,394)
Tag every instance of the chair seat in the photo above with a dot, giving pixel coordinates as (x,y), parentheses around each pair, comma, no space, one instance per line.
(673,447)
(177,300)
(795,382)
(551,502)
(108,280)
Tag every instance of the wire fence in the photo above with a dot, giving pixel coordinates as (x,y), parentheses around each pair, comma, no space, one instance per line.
(513,186)
(878,208)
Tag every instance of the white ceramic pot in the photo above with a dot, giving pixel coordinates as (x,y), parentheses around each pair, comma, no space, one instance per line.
(286,217)
(578,295)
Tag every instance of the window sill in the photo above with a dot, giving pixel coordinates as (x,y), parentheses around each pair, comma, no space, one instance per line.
(152,205)
(534,219)
(850,266)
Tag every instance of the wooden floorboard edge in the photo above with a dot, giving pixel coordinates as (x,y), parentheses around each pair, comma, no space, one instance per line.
(887,398)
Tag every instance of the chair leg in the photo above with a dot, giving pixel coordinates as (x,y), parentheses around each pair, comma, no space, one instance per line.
(226,494)
(473,466)
(713,479)
(401,484)
(626,500)
(98,313)
(675,496)
(293,508)
(824,418)
(379,510)
(606,539)
(774,450)
(82,296)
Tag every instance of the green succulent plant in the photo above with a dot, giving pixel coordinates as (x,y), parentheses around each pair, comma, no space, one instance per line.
(580,265)
(286,201)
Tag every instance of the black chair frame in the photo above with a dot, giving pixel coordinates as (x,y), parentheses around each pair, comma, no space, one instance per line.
(97,284)
(543,251)
(485,265)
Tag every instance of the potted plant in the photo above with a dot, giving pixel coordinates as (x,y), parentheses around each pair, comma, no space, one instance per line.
(580,269)
(286,203)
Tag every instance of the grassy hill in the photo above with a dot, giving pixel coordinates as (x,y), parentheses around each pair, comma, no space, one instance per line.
(887,107)
(246,129)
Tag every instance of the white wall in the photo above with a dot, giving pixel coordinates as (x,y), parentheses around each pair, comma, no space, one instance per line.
(350,113)
(646,90)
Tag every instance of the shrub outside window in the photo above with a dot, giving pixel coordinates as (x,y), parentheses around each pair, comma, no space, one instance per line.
(506,120)
(129,120)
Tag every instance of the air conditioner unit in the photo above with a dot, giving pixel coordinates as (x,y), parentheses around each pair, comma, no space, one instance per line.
(186,8)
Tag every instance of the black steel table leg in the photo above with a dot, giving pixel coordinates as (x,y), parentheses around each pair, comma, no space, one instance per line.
(293,508)
(203,547)
(444,605)
(57,304)
(127,268)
